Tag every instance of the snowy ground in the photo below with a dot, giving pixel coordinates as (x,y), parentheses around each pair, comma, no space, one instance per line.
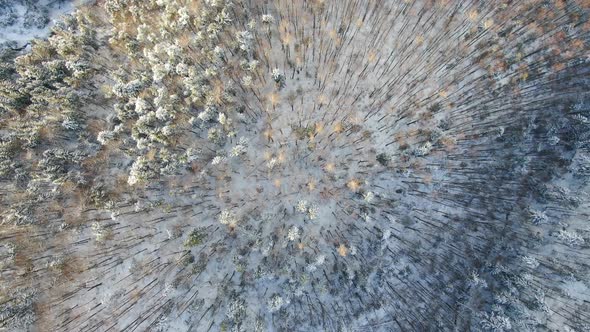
(22,21)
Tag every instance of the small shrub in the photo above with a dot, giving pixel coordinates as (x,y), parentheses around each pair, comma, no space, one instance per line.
(195,238)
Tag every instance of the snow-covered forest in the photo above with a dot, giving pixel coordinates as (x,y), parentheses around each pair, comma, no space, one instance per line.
(309,165)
